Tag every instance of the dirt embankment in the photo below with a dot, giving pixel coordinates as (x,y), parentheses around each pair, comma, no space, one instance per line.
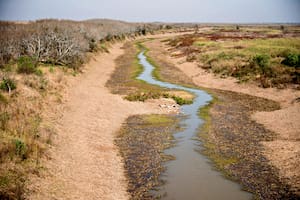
(282,150)
(83,162)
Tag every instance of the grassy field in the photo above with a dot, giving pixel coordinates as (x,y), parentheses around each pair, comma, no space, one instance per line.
(267,56)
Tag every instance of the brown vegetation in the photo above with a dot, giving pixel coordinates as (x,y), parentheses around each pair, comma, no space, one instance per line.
(35,57)
(24,134)
(60,41)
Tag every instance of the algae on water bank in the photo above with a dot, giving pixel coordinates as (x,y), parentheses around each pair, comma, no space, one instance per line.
(233,142)
(190,175)
(123,81)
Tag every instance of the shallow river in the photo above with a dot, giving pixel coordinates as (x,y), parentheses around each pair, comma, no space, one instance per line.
(190,176)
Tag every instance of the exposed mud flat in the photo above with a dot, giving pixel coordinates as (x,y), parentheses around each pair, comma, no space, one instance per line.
(234,142)
(142,140)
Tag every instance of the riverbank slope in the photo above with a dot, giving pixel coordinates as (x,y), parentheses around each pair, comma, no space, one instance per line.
(83,162)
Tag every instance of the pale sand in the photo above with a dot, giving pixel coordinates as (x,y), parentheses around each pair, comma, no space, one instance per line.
(284,152)
(83,161)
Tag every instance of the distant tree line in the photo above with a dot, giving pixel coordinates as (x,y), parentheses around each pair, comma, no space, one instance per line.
(62,42)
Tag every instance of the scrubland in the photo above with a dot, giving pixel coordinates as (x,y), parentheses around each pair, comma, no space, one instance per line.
(36,59)
(269,56)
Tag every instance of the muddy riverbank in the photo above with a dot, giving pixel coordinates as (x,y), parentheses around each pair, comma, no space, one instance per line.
(141,141)
(233,142)
(232,139)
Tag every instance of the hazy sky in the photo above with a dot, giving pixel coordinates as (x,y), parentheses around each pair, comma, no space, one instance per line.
(155,10)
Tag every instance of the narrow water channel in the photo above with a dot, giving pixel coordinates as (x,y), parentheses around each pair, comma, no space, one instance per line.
(190,176)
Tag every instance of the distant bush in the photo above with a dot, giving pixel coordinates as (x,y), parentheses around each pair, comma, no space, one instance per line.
(104,48)
(7,84)
(168,27)
(292,60)
(26,65)
(92,45)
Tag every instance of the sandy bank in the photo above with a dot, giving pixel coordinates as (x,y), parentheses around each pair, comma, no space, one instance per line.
(83,162)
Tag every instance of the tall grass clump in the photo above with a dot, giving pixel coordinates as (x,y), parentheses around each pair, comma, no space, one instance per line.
(8,84)
(262,61)
(26,65)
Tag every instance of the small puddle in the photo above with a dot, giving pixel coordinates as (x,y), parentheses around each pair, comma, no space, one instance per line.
(191,176)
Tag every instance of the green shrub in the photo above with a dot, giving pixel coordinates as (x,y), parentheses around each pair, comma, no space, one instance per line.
(181,101)
(104,48)
(292,60)
(26,65)
(262,61)
(38,72)
(142,96)
(21,148)
(263,64)
(51,69)
(7,84)
(93,45)
(108,37)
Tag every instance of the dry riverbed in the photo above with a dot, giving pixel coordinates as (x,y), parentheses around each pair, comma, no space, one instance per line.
(84,162)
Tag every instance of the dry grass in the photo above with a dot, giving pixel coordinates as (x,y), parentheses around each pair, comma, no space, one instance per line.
(24,135)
